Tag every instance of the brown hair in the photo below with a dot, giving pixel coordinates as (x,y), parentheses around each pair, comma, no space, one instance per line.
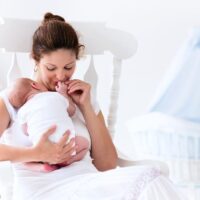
(53,34)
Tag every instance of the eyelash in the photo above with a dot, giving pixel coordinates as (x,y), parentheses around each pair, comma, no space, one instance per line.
(66,68)
(50,69)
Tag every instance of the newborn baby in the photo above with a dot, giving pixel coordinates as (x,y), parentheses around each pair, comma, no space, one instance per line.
(39,109)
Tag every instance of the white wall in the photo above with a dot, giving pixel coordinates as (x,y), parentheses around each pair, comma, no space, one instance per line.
(159,26)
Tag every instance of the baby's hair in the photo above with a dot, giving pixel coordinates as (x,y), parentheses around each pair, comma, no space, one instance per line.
(18,92)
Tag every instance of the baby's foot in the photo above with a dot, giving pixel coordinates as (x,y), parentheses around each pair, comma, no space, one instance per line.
(63,164)
(50,168)
(40,167)
(61,88)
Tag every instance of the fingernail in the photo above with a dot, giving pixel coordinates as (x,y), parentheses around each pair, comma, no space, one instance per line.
(72,140)
(65,134)
(53,126)
(73,153)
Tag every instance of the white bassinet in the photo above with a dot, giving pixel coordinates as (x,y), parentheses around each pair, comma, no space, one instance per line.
(170,131)
(171,139)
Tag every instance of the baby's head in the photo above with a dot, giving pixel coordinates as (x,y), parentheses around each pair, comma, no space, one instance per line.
(23,89)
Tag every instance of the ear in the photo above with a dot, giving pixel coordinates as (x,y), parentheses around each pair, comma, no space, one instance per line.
(35,86)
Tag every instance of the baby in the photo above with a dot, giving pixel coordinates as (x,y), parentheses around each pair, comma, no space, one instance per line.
(38,109)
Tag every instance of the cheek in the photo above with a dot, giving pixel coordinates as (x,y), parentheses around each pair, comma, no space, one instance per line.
(72,72)
(47,78)
(44,77)
(68,74)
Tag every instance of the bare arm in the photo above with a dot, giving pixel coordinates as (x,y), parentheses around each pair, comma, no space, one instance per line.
(8,152)
(4,116)
(103,151)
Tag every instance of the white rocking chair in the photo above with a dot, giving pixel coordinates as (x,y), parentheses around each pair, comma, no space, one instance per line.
(15,36)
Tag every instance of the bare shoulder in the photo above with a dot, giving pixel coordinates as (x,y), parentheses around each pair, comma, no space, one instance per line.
(4,116)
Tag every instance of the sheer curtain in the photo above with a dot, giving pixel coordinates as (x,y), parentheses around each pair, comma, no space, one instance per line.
(179,94)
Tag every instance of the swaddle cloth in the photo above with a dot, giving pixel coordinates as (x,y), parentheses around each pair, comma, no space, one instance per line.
(44,110)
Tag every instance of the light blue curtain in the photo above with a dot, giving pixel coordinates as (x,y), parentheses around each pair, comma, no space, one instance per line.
(179,94)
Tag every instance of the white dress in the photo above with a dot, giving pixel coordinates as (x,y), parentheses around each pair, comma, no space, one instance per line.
(43,110)
(81,180)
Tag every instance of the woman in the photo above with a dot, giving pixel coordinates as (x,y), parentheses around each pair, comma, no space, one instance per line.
(55,51)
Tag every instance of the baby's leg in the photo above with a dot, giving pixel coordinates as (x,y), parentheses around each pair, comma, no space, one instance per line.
(40,167)
(82,144)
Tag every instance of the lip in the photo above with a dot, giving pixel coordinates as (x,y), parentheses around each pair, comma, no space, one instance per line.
(56,83)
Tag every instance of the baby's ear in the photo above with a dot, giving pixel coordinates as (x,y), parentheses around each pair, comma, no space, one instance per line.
(34,86)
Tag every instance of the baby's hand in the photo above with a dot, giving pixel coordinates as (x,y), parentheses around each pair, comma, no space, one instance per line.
(61,88)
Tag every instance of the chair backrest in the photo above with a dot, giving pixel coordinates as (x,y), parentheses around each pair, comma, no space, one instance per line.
(16,36)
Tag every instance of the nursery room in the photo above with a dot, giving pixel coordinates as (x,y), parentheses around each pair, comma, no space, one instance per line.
(126,75)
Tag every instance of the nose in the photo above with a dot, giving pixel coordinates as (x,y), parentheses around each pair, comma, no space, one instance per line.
(61,76)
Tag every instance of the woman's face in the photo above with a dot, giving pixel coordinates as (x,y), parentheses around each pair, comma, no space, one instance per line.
(56,66)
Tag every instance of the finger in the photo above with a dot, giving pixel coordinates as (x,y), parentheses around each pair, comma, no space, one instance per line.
(61,84)
(71,84)
(71,81)
(64,138)
(67,156)
(69,146)
(49,132)
(79,156)
(76,87)
(57,88)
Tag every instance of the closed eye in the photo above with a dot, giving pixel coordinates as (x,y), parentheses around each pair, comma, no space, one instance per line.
(69,67)
(50,67)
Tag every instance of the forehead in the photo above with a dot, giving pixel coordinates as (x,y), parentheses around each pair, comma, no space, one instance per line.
(59,57)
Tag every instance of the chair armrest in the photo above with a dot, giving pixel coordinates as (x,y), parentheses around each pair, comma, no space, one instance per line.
(124,161)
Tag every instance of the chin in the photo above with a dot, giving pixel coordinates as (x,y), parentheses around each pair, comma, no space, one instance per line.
(51,88)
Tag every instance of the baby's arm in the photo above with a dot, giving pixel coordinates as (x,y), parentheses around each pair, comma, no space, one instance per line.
(71,108)
(62,89)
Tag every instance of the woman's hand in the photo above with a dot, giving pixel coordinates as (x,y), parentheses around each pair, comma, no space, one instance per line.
(79,91)
(53,153)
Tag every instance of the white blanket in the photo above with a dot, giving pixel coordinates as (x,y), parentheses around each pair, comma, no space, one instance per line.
(81,181)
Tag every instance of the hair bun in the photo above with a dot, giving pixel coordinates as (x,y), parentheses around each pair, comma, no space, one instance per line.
(49,17)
